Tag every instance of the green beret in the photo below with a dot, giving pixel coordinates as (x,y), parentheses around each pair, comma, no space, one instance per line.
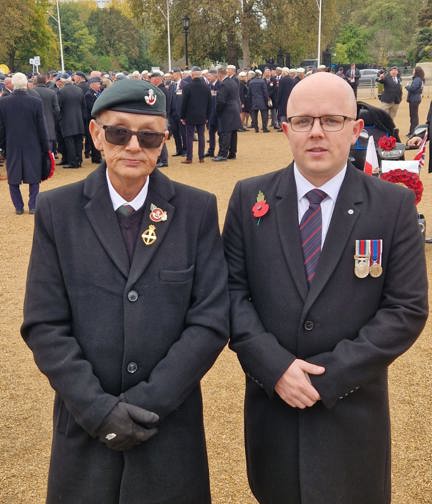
(133,96)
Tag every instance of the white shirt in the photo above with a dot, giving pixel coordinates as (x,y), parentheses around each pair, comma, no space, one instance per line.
(118,201)
(331,188)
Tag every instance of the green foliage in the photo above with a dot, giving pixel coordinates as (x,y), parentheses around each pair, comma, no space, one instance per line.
(423,45)
(351,45)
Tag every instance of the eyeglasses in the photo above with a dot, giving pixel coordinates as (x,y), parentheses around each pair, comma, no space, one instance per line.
(329,123)
(118,135)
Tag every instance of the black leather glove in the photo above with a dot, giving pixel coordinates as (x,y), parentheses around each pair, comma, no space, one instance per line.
(127,426)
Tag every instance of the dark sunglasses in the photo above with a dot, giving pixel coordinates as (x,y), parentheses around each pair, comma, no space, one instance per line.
(118,135)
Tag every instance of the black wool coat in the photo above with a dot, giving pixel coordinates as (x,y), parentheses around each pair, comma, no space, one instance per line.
(258,94)
(88,316)
(228,106)
(51,108)
(196,104)
(72,110)
(23,136)
(338,451)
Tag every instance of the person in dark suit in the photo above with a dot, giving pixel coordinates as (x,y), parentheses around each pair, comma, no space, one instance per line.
(213,85)
(72,110)
(228,113)
(259,99)
(23,141)
(157,79)
(90,96)
(353,76)
(272,91)
(415,89)
(286,85)
(126,309)
(195,111)
(178,129)
(392,93)
(328,286)
(50,107)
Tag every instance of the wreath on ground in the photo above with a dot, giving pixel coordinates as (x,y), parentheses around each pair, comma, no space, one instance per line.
(408,179)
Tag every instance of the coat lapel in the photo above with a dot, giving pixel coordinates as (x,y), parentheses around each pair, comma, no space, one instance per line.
(161,190)
(288,227)
(103,219)
(346,212)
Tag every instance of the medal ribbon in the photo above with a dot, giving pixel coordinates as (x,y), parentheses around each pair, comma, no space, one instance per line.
(376,251)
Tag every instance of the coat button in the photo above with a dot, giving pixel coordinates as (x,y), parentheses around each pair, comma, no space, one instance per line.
(132,367)
(308,325)
(132,296)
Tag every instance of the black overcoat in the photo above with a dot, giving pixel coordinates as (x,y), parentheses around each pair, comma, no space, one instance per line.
(196,104)
(258,94)
(72,110)
(23,136)
(88,316)
(228,106)
(51,108)
(338,451)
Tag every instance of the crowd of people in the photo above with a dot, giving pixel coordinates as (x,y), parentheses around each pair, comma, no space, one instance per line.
(221,101)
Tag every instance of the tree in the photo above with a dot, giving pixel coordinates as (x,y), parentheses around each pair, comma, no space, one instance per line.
(351,45)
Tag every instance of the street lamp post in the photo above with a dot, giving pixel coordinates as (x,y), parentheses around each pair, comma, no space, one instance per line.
(186,26)
(319,5)
(60,37)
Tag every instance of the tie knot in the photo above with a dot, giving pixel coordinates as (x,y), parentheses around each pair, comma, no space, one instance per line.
(125,210)
(315,196)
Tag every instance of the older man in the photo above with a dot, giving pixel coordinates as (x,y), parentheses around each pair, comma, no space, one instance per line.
(24,141)
(328,286)
(126,309)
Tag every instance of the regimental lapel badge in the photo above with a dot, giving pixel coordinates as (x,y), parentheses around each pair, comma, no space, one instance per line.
(157,214)
(368,258)
(149,235)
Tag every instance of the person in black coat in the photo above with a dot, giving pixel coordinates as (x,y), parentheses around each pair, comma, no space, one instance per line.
(392,93)
(353,76)
(156,78)
(244,100)
(316,343)
(286,85)
(228,113)
(126,309)
(90,96)
(213,85)
(51,108)
(72,111)
(259,100)
(24,141)
(178,129)
(195,111)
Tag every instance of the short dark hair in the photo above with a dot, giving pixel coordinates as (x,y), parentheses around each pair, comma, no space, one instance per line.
(41,79)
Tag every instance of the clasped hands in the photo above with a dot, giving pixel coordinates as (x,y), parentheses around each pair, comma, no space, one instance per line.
(127,426)
(295,387)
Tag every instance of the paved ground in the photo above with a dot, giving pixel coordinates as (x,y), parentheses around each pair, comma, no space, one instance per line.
(25,396)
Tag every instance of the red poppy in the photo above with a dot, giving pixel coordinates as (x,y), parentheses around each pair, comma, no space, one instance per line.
(409,179)
(260,209)
(387,143)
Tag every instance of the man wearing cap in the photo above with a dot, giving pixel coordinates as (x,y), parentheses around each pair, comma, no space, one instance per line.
(195,111)
(392,94)
(125,311)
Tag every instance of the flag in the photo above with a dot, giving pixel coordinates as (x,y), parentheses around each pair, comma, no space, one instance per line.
(371,162)
(421,153)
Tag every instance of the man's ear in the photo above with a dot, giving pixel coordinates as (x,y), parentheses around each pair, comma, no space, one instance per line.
(96,131)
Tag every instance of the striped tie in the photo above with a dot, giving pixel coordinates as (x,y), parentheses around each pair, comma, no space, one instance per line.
(311,231)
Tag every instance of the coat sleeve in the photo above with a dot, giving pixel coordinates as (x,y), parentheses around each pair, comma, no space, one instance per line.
(261,356)
(205,329)
(48,331)
(395,326)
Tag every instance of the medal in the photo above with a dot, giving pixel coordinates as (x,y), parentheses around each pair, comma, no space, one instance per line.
(362,258)
(149,235)
(376,268)
(157,214)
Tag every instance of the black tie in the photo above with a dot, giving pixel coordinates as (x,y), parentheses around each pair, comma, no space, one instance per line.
(125,210)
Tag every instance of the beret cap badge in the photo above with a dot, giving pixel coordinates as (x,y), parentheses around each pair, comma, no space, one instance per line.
(151,98)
